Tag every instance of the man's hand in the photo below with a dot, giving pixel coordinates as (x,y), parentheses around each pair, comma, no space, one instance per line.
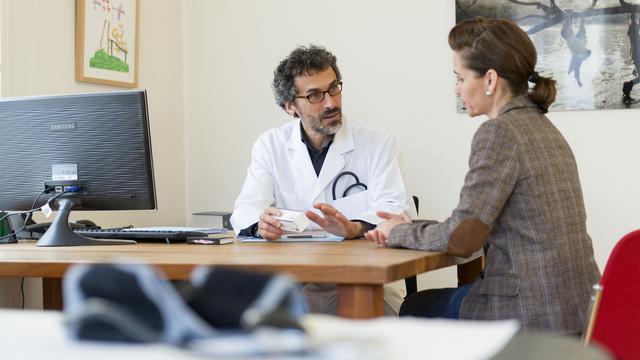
(334,222)
(380,234)
(268,226)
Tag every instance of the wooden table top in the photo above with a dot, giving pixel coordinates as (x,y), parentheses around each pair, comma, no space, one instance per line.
(347,262)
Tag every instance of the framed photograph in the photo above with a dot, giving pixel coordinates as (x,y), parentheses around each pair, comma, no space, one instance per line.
(591,48)
(107,42)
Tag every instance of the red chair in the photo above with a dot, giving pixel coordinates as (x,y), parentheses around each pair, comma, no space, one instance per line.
(615,315)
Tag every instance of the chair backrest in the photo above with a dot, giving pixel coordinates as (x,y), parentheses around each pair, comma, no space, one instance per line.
(411,283)
(617,322)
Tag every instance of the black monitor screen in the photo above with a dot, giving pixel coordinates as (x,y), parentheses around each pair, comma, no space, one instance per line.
(100,141)
(100,138)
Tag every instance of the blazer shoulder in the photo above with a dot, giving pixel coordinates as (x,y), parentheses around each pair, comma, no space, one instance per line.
(499,127)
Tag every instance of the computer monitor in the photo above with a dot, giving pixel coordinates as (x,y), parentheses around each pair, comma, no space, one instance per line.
(97,145)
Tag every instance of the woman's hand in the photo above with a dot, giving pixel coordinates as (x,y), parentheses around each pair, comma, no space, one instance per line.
(380,234)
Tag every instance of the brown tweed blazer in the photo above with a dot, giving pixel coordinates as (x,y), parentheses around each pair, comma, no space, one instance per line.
(522,200)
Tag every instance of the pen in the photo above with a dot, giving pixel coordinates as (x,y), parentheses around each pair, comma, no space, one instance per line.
(304,236)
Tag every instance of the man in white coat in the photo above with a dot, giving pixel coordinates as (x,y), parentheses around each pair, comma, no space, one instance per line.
(301,166)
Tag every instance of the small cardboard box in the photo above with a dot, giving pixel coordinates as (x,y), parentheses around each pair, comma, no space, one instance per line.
(293,220)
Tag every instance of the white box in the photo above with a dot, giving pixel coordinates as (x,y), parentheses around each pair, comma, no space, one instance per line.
(293,220)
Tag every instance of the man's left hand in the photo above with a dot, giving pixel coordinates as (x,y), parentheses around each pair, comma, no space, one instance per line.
(334,222)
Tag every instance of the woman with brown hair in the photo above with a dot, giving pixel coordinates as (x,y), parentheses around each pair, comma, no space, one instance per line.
(521,200)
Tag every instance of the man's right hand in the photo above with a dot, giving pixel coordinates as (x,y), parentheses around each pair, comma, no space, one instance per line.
(268,226)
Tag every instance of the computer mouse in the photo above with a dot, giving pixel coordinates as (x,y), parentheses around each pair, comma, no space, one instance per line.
(87,224)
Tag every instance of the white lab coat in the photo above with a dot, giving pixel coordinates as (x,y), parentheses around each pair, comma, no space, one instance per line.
(281,174)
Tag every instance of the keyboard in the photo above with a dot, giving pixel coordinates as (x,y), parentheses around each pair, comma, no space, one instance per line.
(168,236)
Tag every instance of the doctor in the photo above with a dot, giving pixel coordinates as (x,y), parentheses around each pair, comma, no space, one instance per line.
(297,165)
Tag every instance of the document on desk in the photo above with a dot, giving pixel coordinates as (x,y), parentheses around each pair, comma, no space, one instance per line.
(304,236)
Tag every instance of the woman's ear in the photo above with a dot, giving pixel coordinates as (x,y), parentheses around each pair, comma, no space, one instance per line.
(492,80)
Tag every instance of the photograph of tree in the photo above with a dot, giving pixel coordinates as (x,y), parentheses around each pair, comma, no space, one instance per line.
(590,47)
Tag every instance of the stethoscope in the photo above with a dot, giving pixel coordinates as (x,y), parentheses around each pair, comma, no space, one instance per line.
(350,187)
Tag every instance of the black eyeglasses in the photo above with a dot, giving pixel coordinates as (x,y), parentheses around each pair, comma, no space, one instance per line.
(316,97)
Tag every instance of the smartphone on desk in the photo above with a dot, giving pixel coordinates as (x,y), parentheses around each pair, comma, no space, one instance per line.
(209,241)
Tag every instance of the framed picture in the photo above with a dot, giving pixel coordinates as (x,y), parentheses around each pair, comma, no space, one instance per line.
(107,42)
(591,48)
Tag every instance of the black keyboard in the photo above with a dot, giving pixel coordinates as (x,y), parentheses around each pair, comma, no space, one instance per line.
(141,235)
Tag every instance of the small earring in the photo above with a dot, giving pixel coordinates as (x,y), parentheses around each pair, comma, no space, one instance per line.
(488,93)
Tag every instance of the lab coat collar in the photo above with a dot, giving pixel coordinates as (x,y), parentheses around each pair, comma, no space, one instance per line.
(295,139)
(305,139)
(305,175)
(334,162)
(343,143)
(294,142)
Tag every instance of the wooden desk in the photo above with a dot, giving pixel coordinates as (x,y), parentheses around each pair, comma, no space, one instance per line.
(359,267)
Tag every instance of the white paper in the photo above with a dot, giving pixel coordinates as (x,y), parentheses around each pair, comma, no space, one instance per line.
(305,236)
(46,210)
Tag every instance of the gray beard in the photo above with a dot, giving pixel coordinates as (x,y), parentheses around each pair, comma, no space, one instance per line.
(317,126)
(328,129)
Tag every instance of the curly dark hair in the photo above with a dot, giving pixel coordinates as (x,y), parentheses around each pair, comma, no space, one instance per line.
(304,60)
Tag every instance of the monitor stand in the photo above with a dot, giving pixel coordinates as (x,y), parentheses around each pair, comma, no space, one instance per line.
(60,233)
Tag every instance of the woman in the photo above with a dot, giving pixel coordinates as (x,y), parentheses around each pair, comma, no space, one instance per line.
(521,198)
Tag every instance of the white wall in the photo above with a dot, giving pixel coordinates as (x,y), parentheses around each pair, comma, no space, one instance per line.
(397,72)
(38,58)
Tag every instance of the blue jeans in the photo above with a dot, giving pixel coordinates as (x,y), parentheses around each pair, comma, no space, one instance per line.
(435,303)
